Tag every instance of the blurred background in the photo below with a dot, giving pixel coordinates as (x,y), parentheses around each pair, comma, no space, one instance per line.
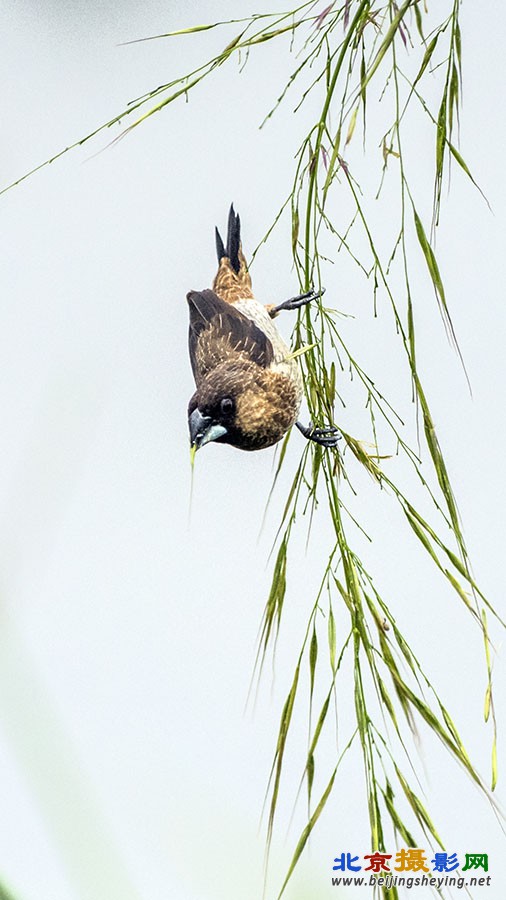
(131,765)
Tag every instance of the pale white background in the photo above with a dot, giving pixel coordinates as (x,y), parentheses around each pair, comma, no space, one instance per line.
(128,765)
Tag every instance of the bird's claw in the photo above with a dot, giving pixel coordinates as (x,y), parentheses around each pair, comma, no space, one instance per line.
(326,437)
(298,301)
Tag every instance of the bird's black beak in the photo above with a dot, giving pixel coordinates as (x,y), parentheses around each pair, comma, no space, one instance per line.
(203,430)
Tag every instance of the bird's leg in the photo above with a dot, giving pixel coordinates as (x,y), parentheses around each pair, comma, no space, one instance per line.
(326,437)
(295,302)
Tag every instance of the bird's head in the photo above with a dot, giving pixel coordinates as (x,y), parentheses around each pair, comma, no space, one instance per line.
(241,405)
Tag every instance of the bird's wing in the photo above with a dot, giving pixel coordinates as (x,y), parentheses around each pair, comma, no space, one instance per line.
(219,332)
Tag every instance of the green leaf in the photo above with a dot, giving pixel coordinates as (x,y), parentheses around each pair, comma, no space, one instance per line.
(332,639)
(431,46)
(313,656)
(307,831)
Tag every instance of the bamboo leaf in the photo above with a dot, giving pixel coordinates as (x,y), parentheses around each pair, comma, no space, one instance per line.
(295,229)
(431,46)
(319,724)
(433,268)
(486,710)
(351,127)
(418,808)
(310,767)
(332,639)
(307,830)
(313,656)
(387,40)
(494,765)
(284,727)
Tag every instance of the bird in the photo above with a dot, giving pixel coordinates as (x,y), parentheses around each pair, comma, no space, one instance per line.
(249,386)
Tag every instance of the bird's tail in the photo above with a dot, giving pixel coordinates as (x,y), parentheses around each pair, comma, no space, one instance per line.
(232,281)
(232,249)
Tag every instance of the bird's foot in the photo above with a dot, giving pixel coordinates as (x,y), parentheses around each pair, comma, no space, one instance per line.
(297,302)
(326,437)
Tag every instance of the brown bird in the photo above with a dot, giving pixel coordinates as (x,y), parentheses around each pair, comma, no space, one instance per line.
(249,386)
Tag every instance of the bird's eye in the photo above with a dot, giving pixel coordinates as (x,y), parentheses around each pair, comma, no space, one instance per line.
(226,406)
